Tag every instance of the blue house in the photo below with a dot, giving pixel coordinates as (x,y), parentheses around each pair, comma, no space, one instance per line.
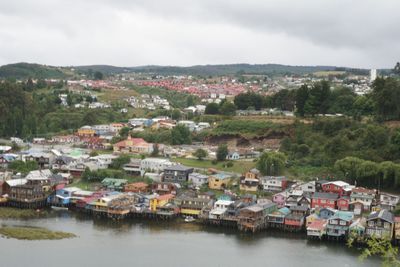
(62,196)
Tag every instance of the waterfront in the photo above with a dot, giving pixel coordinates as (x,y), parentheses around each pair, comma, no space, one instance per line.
(146,243)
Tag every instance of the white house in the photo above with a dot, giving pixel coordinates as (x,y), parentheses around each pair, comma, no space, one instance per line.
(198,179)
(154,165)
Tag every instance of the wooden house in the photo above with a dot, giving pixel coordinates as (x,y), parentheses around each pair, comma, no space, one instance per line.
(164,188)
(138,187)
(177,174)
(337,187)
(114,184)
(322,200)
(365,196)
(193,206)
(317,229)
(121,206)
(250,181)
(277,218)
(380,224)
(388,201)
(254,217)
(219,181)
(280,198)
(160,201)
(397,228)
(338,224)
(343,203)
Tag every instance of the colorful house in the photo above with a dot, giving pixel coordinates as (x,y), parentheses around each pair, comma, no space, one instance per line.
(322,200)
(86,131)
(280,198)
(250,181)
(277,218)
(365,196)
(133,145)
(219,181)
(138,187)
(338,224)
(397,228)
(160,201)
(338,187)
(380,224)
(193,206)
(317,229)
(343,203)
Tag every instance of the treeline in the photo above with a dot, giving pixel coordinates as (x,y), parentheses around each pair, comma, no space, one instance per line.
(319,98)
(26,114)
(329,140)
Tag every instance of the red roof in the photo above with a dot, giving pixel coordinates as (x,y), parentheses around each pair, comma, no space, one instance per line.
(317,224)
(165,197)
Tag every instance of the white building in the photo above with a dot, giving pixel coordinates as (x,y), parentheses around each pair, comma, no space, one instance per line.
(198,179)
(154,165)
(372,75)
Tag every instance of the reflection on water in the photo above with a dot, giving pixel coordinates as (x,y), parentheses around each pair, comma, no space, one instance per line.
(103,242)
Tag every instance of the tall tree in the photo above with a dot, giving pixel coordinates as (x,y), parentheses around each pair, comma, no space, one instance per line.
(222,152)
(272,163)
(302,95)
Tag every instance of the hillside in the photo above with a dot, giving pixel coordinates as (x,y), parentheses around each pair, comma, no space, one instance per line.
(26,70)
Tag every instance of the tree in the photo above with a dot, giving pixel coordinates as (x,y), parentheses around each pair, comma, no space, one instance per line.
(222,152)
(23,167)
(396,69)
(212,109)
(272,163)
(29,86)
(180,134)
(155,151)
(93,153)
(98,75)
(176,114)
(119,162)
(386,97)
(189,101)
(200,154)
(381,247)
(246,100)
(227,108)
(302,95)
(69,100)
(124,132)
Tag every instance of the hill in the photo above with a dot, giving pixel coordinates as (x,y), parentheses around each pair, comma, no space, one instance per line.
(26,70)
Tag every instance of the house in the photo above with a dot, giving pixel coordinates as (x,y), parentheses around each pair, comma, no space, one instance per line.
(193,206)
(254,217)
(357,207)
(177,174)
(86,131)
(44,160)
(62,196)
(365,196)
(6,159)
(114,184)
(322,200)
(277,218)
(357,228)
(154,165)
(101,204)
(160,201)
(306,187)
(133,167)
(161,188)
(380,224)
(219,181)
(133,145)
(250,181)
(388,201)
(274,183)
(326,213)
(198,179)
(280,198)
(318,185)
(138,187)
(62,162)
(233,155)
(339,223)
(220,208)
(343,203)
(317,229)
(397,228)
(338,187)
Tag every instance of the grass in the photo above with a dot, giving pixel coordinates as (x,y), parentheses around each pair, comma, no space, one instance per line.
(32,233)
(13,213)
(306,173)
(238,166)
(109,95)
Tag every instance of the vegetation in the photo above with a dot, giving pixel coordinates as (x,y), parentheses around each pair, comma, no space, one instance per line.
(222,152)
(24,167)
(13,213)
(246,127)
(381,247)
(26,70)
(237,167)
(272,163)
(33,233)
(180,134)
(200,154)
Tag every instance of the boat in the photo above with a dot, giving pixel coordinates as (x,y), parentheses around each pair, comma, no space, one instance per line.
(189,219)
(59,208)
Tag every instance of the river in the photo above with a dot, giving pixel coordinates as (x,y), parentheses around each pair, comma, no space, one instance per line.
(142,243)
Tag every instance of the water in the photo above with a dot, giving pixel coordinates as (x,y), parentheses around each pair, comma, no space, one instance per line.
(143,243)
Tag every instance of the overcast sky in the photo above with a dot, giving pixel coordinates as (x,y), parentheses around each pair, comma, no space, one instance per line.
(354,33)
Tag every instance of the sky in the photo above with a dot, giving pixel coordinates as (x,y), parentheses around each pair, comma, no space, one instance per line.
(351,33)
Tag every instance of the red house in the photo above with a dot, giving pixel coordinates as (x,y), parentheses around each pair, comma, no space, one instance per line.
(343,203)
(324,200)
(338,187)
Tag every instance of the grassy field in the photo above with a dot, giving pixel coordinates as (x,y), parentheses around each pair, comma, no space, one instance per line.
(12,213)
(32,233)
(109,95)
(327,73)
(238,166)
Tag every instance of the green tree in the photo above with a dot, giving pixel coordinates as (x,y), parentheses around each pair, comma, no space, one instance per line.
(200,154)
(124,132)
(227,108)
(301,98)
(176,114)
(318,100)
(180,134)
(23,167)
(69,100)
(119,162)
(98,75)
(212,109)
(386,97)
(222,152)
(272,163)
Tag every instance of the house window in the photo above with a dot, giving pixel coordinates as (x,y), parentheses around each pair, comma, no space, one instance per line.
(342,222)
(334,222)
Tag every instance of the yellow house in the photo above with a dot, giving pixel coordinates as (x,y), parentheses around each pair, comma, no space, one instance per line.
(160,201)
(219,181)
(86,131)
(193,206)
(101,204)
(250,181)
